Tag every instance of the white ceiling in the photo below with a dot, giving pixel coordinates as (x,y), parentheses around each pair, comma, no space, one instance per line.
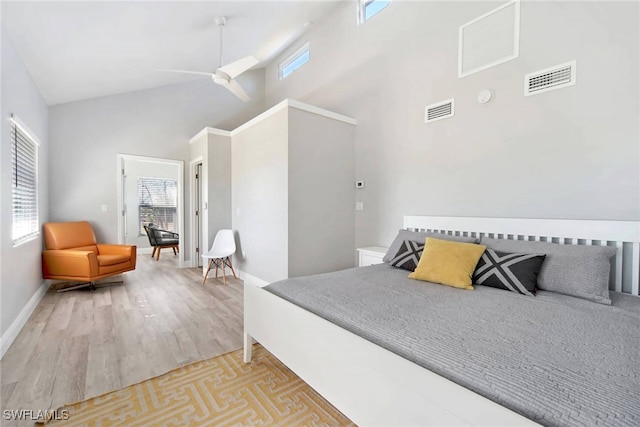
(84,49)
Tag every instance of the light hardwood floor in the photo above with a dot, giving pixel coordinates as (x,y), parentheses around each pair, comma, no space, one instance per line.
(84,343)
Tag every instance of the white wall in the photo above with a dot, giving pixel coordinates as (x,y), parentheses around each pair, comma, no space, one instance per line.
(571,153)
(87,135)
(292,179)
(20,267)
(259,197)
(219,186)
(321,194)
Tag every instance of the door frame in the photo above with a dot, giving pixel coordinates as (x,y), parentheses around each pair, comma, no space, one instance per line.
(180,209)
(193,164)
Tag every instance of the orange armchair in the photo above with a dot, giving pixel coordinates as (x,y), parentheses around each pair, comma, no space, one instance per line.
(71,253)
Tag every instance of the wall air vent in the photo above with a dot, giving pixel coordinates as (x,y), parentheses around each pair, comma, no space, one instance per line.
(490,39)
(439,110)
(553,78)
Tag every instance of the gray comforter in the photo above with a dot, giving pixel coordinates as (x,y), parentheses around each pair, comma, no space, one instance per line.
(558,360)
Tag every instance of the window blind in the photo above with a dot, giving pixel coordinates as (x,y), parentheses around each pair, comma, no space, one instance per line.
(24,183)
(157,203)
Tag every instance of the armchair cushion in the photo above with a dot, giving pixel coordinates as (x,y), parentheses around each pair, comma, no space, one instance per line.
(92,248)
(160,237)
(168,242)
(105,260)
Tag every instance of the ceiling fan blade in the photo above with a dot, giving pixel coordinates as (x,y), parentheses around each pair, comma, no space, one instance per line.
(238,67)
(202,73)
(237,90)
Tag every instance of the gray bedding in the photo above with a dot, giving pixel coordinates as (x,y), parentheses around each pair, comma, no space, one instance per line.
(556,359)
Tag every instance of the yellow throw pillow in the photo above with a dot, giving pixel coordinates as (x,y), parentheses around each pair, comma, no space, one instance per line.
(448,263)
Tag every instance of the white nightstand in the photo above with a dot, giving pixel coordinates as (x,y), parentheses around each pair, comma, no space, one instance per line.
(370,255)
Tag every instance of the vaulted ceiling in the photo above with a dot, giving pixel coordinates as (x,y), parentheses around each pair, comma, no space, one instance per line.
(77,50)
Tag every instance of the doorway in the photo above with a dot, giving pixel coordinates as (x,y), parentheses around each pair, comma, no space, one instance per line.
(150,190)
(197,213)
(198,216)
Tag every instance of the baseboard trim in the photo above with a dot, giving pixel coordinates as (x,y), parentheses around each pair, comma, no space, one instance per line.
(16,326)
(251,279)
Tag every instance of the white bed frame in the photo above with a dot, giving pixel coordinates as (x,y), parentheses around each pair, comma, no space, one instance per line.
(373,386)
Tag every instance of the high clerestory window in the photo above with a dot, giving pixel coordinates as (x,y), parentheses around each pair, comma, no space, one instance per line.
(294,61)
(157,203)
(368,8)
(24,184)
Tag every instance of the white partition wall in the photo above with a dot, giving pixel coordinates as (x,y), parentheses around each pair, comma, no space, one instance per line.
(260,195)
(293,192)
(285,183)
(321,193)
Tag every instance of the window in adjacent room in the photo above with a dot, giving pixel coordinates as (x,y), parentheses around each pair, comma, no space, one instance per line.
(157,203)
(24,184)
(294,61)
(368,8)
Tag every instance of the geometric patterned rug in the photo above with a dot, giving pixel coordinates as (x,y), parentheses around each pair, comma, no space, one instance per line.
(223,391)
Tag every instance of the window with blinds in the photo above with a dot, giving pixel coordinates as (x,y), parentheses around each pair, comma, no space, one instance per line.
(24,184)
(157,203)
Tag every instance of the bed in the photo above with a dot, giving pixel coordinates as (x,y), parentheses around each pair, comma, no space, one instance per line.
(375,383)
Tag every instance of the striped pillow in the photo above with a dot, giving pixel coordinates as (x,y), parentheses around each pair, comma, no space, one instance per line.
(510,271)
(408,255)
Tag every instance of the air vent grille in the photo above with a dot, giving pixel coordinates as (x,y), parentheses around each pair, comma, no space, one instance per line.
(490,39)
(439,110)
(550,79)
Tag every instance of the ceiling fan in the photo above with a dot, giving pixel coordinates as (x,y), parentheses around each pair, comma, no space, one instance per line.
(226,74)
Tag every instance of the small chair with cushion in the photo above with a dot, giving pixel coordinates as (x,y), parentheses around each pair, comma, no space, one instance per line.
(72,254)
(159,239)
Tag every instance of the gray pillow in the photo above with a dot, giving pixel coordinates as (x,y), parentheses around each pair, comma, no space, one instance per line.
(420,237)
(576,270)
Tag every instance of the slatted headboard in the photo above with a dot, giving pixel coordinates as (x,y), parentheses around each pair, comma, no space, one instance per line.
(624,235)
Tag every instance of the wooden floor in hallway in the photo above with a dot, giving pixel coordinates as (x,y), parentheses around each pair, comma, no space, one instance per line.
(83,343)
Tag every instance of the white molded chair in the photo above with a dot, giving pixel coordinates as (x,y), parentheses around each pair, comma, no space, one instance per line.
(224,245)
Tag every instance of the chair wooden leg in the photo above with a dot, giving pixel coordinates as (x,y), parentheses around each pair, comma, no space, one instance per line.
(158,255)
(174,251)
(231,267)
(217,266)
(224,276)
(153,253)
(207,273)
